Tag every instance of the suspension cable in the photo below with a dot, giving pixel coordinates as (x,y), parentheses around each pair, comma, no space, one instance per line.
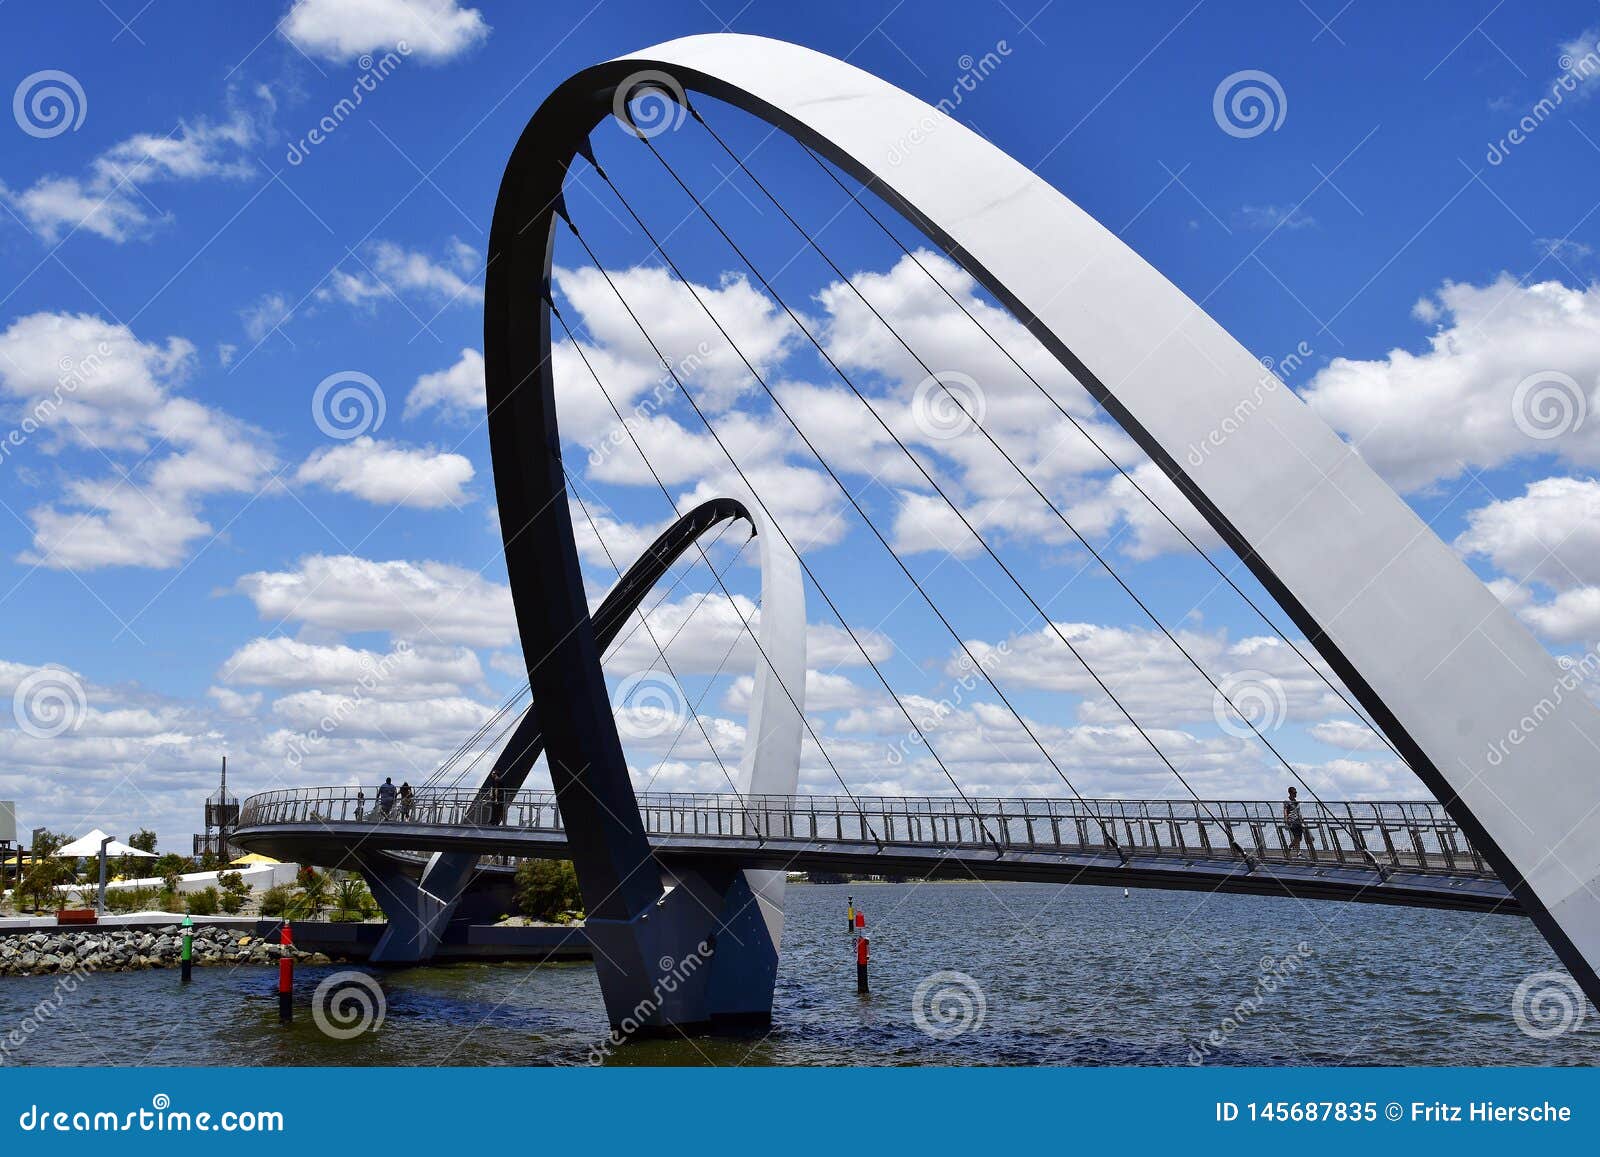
(1104,453)
(584,357)
(1043,750)
(744,628)
(616,645)
(485,749)
(978,425)
(466,745)
(666,662)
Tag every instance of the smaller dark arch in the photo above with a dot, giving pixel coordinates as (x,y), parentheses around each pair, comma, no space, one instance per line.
(517,758)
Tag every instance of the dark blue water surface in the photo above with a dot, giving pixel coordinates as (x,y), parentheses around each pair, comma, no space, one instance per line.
(1060,976)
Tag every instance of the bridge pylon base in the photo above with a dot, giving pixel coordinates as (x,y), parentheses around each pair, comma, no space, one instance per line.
(703,959)
(418,910)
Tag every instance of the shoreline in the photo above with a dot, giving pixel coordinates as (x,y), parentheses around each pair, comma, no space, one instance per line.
(47,952)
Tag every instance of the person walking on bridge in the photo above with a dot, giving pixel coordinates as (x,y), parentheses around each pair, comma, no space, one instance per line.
(405,800)
(1295,822)
(386,795)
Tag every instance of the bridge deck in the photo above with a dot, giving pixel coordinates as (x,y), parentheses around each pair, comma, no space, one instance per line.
(1407,853)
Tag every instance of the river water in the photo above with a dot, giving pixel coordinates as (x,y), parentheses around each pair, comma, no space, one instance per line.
(1058,976)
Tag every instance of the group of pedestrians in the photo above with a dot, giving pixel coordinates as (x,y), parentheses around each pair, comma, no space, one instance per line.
(388,796)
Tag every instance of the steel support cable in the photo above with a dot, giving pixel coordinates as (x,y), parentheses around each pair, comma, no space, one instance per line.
(537,739)
(1104,453)
(584,357)
(989,438)
(799,558)
(492,745)
(450,761)
(666,662)
(641,615)
(972,659)
(526,688)
(744,628)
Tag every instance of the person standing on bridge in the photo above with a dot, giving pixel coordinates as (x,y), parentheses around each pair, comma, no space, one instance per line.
(405,800)
(386,795)
(1295,822)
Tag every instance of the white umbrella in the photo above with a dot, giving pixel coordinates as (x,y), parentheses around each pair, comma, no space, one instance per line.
(94,843)
(97,843)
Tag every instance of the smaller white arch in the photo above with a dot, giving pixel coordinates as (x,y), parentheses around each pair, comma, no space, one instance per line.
(770,765)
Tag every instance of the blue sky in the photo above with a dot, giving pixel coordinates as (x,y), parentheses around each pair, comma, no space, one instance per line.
(198,566)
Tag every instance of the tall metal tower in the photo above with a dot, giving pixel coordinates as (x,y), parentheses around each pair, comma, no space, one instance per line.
(222,816)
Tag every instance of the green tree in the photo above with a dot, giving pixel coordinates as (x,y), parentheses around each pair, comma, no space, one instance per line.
(351,899)
(44,872)
(313,890)
(144,839)
(547,888)
(277,900)
(170,865)
(235,892)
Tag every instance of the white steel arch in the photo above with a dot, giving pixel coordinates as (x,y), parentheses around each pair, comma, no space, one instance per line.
(1449,673)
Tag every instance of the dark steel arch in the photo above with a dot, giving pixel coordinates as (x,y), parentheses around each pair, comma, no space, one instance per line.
(420,908)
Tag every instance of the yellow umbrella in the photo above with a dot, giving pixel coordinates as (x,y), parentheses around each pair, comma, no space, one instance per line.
(254,858)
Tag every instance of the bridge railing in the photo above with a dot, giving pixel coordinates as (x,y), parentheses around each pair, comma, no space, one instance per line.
(1414,836)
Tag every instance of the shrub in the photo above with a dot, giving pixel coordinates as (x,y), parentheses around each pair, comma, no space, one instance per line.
(275,901)
(131,899)
(204,902)
(547,888)
(235,892)
(352,901)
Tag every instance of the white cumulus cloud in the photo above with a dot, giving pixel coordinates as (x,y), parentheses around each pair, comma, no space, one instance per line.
(434,30)
(430,601)
(456,392)
(390,474)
